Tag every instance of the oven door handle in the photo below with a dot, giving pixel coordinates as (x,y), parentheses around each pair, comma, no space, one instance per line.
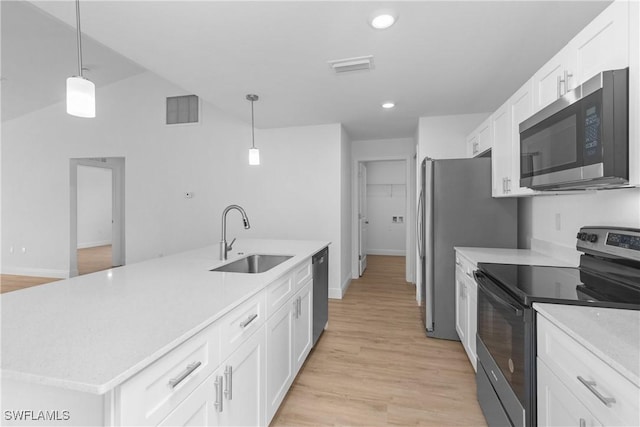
(496,294)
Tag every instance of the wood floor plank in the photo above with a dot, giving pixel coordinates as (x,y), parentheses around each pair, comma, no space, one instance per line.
(374,365)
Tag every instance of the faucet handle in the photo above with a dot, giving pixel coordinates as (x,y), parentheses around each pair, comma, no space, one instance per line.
(230,245)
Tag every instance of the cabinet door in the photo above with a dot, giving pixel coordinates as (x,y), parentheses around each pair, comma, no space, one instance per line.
(546,80)
(604,43)
(521,106)
(244,383)
(484,137)
(472,303)
(198,408)
(501,152)
(279,357)
(461,307)
(303,326)
(557,406)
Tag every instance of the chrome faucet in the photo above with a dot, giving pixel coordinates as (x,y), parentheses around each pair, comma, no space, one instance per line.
(224,247)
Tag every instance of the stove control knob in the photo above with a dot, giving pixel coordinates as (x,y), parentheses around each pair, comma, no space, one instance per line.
(593,238)
(582,236)
(578,235)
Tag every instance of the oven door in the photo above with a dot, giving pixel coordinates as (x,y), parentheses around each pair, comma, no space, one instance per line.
(505,349)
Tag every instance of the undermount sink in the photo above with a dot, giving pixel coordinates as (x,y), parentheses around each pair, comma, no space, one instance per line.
(253,264)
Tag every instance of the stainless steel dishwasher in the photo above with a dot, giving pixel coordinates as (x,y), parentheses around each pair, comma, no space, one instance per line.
(320,263)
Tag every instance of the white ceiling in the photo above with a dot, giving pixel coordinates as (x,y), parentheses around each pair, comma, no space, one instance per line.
(447,57)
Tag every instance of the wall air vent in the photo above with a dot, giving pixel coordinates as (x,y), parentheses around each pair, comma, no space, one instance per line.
(182,109)
(352,64)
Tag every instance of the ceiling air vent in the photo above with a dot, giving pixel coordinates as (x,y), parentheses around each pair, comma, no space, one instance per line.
(352,64)
(182,109)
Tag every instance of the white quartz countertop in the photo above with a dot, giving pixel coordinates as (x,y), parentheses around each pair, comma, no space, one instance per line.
(611,334)
(510,256)
(91,333)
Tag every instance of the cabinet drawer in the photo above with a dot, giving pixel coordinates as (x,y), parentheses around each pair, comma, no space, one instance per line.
(302,274)
(569,360)
(149,396)
(239,324)
(279,292)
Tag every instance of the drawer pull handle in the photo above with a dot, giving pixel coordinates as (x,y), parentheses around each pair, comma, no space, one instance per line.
(184,374)
(218,386)
(228,376)
(591,385)
(249,320)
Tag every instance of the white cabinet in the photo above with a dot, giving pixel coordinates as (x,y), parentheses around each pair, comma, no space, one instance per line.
(280,365)
(605,396)
(601,45)
(243,392)
(289,333)
(466,306)
(556,405)
(505,154)
(303,325)
(479,140)
(198,408)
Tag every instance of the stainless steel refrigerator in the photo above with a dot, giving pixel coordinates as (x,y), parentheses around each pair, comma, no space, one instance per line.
(455,208)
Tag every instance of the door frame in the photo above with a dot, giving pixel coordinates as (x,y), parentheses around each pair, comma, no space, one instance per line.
(117,166)
(410,245)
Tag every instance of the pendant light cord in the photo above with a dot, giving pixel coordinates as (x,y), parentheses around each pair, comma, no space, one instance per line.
(79,38)
(253,142)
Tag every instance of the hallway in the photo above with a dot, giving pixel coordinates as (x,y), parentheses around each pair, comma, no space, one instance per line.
(374,365)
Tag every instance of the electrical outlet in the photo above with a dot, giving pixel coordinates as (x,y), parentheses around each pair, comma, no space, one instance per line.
(188,195)
(395,219)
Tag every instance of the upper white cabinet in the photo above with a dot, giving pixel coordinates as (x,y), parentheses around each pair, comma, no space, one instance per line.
(601,45)
(479,140)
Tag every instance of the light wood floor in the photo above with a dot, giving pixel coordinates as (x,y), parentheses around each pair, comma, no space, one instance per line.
(90,260)
(374,365)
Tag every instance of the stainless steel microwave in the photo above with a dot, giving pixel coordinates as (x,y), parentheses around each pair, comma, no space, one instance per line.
(581,140)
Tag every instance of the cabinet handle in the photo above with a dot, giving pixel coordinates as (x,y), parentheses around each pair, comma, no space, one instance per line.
(228,379)
(249,320)
(508,185)
(559,93)
(567,76)
(295,308)
(218,402)
(173,382)
(591,385)
(299,306)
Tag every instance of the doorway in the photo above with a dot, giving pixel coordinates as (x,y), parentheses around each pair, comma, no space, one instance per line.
(97,239)
(383,208)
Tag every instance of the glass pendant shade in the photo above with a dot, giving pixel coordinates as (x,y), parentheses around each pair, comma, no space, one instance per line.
(254,156)
(81,97)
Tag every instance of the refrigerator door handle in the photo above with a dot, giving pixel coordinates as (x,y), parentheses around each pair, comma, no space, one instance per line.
(419,224)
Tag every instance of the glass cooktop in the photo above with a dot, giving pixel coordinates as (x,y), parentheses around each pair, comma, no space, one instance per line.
(531,283)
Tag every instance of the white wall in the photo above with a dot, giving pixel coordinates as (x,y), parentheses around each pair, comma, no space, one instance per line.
(294,194)
(386,198)
(537,215)
(444,137)
(345,214)
(94,206)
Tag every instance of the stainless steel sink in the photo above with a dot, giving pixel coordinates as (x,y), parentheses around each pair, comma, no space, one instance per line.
(253,264)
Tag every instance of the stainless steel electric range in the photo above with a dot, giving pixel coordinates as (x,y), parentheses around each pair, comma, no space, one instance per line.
(608,276)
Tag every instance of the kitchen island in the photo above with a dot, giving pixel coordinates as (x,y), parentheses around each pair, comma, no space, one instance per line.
(86,337)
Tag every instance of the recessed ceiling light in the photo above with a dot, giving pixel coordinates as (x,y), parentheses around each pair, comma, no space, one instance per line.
(387,105)
(382,21)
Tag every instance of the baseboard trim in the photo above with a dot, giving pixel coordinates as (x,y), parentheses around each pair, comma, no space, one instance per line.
(339,293)
(93,244)
(388,252)
(35,272)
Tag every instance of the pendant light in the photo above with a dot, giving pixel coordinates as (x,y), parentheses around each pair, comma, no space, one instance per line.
(81,92)
(254,153)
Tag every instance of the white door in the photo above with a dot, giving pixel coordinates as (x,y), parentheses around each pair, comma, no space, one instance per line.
(363,221)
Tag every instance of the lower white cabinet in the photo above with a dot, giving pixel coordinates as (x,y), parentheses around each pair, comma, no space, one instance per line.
(289,334)
(466,306)
(198,408)
(557,406)
(576,387)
